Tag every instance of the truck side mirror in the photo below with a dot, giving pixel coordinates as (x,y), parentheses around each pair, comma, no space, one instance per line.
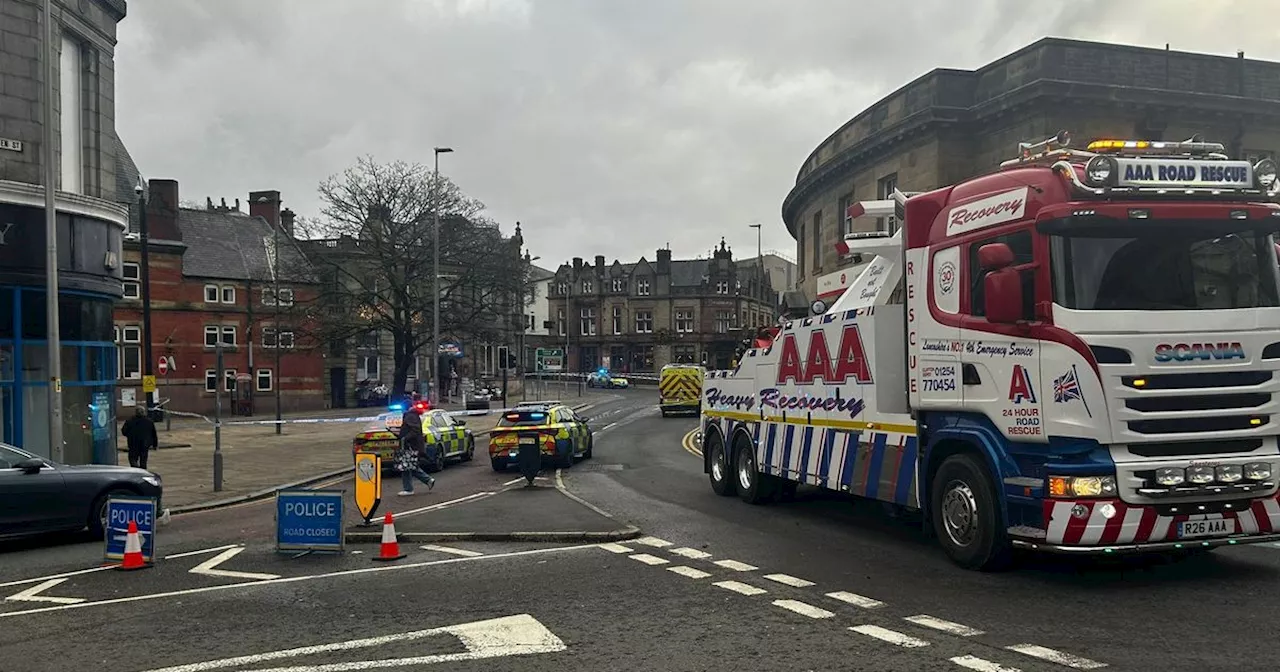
(995,256)
(1001,288)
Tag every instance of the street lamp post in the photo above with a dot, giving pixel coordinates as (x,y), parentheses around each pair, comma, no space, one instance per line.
(51,246)
(278,380)
(435,274)
(144,235)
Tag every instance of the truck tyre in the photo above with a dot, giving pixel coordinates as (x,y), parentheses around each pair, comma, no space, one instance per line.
(753,487)
(721,479)
(963,507)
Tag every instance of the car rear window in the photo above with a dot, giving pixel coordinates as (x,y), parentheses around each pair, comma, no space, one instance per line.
(525,418)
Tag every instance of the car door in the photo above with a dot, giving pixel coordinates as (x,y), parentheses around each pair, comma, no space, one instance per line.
(450,433)
(32,502)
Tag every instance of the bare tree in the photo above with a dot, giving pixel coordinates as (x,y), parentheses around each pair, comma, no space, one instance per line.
(375,261)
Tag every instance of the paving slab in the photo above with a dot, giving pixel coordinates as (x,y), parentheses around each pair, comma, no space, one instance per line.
(542,512)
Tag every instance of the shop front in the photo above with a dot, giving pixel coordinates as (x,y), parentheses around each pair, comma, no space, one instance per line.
(90,234)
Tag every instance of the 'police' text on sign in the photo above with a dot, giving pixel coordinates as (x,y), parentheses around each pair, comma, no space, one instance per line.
(120,512)
(309,520)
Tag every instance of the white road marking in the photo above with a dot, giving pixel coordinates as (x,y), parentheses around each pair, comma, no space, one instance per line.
(691,553)
(981,664)
(891,636)
(648,559)
(455,551)
(654,542)
(856,600)
(740,588)
(803,609)
(32,594)
(736,566)
(207,567)
(1058,657)
(513,481)
(607,427)
(789,580)
(510,636)
(472,497)
(943,626)
(175,556)
(615,548)
(689,572)
(38,579)
(293,579)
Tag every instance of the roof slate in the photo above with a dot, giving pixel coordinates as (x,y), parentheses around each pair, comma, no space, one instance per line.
(234,246)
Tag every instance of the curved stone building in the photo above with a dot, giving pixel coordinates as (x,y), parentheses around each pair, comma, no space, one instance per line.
(949,125)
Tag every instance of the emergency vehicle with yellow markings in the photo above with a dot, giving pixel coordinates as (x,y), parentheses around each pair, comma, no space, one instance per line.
(680,389)
(1078,352)
(439,429)
(554,429)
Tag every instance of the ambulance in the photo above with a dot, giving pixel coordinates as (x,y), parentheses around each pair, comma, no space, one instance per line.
(1077,353)
(680,389)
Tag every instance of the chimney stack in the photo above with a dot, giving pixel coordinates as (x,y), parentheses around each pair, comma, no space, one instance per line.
(664,261)
(286,221)
(600,264)
(577,265)
(265,204)
(162,210)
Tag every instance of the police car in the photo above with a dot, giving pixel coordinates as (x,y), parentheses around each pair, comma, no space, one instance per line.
(549,426)
(439,429)
(603,378)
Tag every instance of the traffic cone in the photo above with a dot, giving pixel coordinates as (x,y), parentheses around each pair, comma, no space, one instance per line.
(390,545)
(133,550)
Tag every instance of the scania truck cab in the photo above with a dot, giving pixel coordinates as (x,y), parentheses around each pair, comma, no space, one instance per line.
(1076,353)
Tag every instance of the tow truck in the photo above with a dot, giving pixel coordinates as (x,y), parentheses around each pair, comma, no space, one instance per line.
(1078,352)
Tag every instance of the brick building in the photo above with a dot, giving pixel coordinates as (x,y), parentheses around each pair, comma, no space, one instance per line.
(949,125)
(211,278)
(638,317)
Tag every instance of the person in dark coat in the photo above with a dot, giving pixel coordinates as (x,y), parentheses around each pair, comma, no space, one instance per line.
(141,435)
(412,446)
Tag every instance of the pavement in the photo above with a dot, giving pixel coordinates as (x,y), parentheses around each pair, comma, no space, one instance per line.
(820,582)
(257,461)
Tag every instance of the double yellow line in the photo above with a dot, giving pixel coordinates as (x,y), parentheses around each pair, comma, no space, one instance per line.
(690,444)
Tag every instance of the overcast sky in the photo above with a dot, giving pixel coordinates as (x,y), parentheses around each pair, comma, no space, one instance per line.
(606,127)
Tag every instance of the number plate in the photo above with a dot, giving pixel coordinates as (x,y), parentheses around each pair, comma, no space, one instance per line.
(1206,528)
(395,422)
(528,441)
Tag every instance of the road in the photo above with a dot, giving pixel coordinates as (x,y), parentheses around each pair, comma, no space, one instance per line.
(819,583)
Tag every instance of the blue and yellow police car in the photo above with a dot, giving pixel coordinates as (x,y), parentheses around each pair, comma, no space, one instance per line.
(550,427)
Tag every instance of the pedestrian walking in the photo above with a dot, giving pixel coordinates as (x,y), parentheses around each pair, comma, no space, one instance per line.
(140,432)
(413,446)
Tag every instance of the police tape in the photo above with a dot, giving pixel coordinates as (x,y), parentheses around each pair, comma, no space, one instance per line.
(316,421)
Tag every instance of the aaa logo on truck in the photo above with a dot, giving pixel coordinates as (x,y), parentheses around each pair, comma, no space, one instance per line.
(1185,352)
(1020,387)
(850,362)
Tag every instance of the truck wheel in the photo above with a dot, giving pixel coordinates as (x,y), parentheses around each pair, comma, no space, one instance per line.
(753,486)
(721,482)
(965,518)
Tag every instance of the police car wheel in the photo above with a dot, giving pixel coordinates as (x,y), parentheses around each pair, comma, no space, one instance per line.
(965,518)
(498,465)
(470,452)
(591,440)
(97,522)
(718,465)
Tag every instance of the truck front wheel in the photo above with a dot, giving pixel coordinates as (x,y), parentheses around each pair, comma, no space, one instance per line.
(965,519)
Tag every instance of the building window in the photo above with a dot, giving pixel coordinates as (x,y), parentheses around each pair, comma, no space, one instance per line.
(642,287)
(644,321)
(211,336)
(885,189)
(816,233)
(618,285)
(211,380)
(229,336)
(722,287)
(586,286)
(264,380)
(588,321)
(271,338)
(228,294)
(129,351)
(562,288)
(684,354)
(684,321)
(846,222)
(560,321)
(642,358)
(211,294)
(286,297)
(132,276)
(71,86)
(367,367)
(722,321)
(617,320)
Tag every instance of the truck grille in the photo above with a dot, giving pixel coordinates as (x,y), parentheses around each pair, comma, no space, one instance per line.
(1214,401)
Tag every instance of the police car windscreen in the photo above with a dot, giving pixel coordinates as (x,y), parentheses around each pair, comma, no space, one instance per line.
(523,418)
(1150,267)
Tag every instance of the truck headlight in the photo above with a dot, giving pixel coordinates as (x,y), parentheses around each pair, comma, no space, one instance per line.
(1257,471)
(1170,476)
(1082,486)
(1200,475)
(1230,473)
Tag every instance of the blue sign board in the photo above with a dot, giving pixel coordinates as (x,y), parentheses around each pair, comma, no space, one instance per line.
(451,349)
(309,520)
(121,510)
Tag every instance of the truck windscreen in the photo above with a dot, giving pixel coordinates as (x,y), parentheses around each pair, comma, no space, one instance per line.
(1153,265)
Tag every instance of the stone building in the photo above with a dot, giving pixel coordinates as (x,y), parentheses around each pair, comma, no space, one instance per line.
(638,317)
(89,218)
(949,125)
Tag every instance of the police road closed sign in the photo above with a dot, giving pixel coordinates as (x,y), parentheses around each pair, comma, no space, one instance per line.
(120,512)
(309,520)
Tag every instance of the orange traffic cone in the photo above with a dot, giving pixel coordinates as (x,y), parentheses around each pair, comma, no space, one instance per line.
(390,545)
(133,550)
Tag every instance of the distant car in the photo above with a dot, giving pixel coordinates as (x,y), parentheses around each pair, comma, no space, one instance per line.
(438,428)
(606,380)
(39,495)
(551,428)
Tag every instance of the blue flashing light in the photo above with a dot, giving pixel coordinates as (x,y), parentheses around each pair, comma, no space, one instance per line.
(537,416)
(603,371)
(396,407)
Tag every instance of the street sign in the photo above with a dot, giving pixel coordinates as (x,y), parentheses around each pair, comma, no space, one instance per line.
(368,484)
(148,384)
(122,510)
(309,520)
(451,349)
(163,365)
(550,359)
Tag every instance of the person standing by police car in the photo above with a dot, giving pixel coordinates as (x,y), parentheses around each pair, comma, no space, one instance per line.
(413,446)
